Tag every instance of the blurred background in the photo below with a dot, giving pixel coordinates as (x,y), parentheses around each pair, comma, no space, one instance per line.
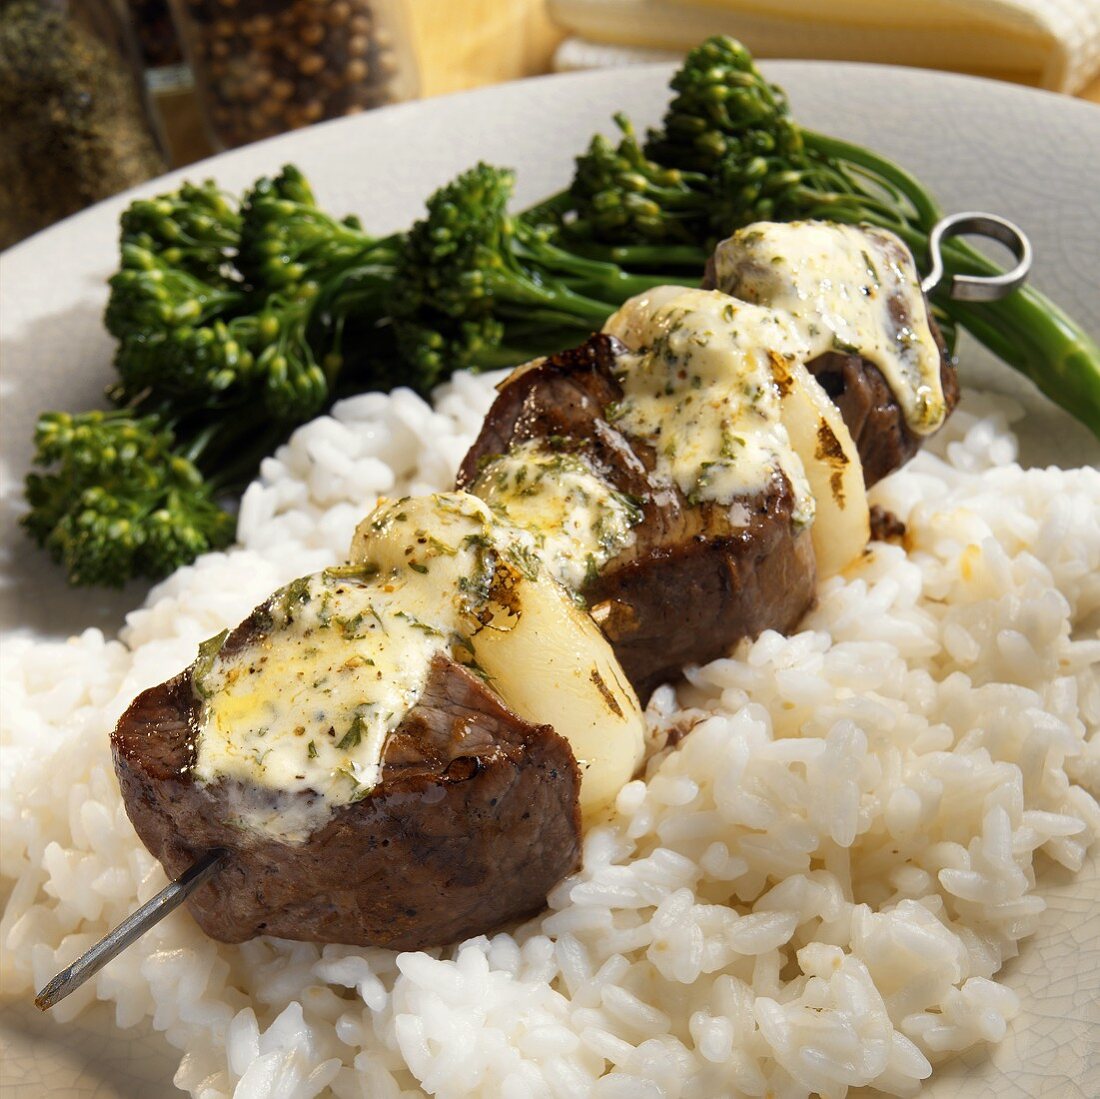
(99,95)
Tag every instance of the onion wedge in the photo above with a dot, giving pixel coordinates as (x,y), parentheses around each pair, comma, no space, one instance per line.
(842,521)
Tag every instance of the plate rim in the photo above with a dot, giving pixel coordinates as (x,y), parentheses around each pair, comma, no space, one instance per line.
(491,92)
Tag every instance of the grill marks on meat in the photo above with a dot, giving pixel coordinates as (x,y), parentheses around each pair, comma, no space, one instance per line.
(693,583)
(475,819)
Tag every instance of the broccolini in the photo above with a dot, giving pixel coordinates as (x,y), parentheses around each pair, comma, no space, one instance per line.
(235,323)
(121,500)
(478,288)
(729,153)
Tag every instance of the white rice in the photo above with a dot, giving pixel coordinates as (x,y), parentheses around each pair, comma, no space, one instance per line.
(814,891)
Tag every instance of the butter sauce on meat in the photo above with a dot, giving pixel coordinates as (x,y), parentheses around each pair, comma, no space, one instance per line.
(702,408)
(873,389)
(375,745)
(306,705)
(399,751)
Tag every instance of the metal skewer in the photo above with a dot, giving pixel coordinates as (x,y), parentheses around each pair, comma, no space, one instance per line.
(979,287)
(131,929)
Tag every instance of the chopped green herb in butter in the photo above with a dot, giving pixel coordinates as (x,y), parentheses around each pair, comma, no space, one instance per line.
(577,520)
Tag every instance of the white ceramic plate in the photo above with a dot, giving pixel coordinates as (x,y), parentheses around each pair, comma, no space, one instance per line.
(1030,156)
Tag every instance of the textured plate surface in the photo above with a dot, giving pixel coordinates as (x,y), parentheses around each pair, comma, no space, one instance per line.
(1030,156)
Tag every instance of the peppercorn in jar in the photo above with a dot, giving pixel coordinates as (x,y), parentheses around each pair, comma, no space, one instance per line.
(266,66)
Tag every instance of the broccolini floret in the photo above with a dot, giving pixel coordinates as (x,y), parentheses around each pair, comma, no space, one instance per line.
(621,195)
(478,288)
(251,306)
(723,108)
(301,263)
(177,334)
(120,499)
(195,229)
(229,328)
(286,238)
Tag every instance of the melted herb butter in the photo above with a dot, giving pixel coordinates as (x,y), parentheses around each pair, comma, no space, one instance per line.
(307,706)
(845,288)
(698,386)
(577,520)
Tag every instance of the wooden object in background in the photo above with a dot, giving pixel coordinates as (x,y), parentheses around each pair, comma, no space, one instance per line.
(467,43)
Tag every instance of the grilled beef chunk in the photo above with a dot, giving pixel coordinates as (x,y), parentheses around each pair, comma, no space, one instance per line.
(884,440)
(885,525)
(867,404)
(475,818)
(697,578)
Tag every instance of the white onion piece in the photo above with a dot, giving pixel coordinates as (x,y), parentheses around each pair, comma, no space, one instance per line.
(552,665)
(548,660)
(842,524)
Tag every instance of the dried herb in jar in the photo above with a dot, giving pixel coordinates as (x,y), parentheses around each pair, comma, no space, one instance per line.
(74,127)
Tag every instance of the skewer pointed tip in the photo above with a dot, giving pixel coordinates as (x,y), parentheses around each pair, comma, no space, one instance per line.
(54,991)
(131,929)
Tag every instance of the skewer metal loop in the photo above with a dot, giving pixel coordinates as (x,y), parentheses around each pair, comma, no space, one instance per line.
(978,287)
(131,929)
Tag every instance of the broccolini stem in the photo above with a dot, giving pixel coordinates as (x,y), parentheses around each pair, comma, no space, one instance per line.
(199,443)
(1031,334)
(925,207)
(506,286)
(1026,330)
(689,256)
(236,470)
(549,209)
(591,276)
(615,293)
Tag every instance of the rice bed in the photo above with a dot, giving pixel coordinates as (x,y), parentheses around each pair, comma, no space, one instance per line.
(814,891)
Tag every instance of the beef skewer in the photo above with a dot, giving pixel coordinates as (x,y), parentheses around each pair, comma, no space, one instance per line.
(564,397)
(710,410)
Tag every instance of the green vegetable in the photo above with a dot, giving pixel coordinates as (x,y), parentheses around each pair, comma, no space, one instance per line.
(478,288)
(212,305)
(235,324)
(622,196)
(229,326)
(729,124)
(1030,333)
(312,273)
(177,334)
(195,229)
(286,239)
(121,499)
(729,153)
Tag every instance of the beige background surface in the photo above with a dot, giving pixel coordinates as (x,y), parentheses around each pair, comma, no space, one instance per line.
(469,43)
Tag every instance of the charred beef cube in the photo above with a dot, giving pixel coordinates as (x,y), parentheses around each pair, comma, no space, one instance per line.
(697,578)
(475,818)
(871,411)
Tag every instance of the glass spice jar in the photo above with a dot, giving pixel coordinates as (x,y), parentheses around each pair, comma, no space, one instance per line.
(169,82)
(76,126)
(266,66)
